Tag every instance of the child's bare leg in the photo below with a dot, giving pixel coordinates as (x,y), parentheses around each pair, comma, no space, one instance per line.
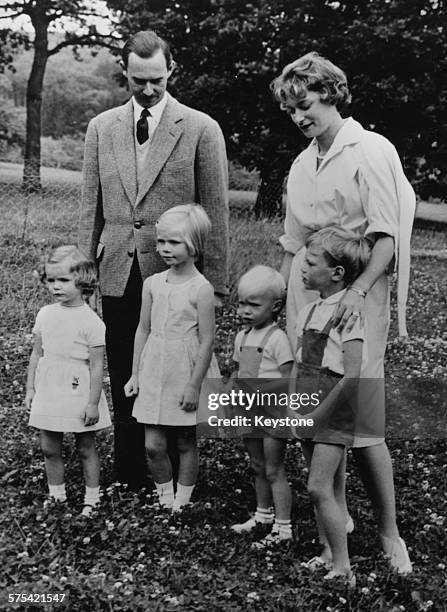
(88,454)
(188,466)
(86,446)
(51,446)
(326,554)
(156,447)
(340,487)
(326,459)
(188,455)
(274,453)
(376,472)
(255,449)
(156,441)
(264,512)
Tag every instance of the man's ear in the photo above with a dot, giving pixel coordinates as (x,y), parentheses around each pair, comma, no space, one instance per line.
(172,68)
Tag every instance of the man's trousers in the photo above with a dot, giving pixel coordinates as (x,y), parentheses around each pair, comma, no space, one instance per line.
(121,316)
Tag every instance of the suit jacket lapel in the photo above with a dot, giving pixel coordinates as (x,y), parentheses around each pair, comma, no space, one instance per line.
(165,137)
(124,150)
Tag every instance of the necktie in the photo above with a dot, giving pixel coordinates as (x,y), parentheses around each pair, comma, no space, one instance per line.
(143,127)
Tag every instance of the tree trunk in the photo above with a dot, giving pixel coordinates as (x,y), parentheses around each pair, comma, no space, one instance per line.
(274,168)
(31,169)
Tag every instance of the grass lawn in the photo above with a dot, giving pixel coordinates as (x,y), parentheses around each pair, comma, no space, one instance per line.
(132,555)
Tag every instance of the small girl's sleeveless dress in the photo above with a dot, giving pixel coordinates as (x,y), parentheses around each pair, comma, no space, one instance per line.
(62,380)
(169,355)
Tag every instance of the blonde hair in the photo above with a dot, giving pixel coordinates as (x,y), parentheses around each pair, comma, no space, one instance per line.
(82,267)
(261,280)
(194,224)
(311,72)
(342,247)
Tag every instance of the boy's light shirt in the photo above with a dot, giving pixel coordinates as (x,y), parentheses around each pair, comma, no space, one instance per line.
(333,352)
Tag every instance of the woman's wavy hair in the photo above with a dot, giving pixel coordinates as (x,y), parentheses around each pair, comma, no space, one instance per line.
(311,72)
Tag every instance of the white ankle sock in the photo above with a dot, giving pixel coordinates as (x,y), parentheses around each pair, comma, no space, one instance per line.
(165,492)
(58,492)
(91,497)
(183,495)
(265,516)
(283,527)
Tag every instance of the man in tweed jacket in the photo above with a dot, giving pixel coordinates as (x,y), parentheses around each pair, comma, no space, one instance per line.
(137,165)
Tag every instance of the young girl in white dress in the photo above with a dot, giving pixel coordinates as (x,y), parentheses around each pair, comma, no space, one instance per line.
(173,351)
(65,373)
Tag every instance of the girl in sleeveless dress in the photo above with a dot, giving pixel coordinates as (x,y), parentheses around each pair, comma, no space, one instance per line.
(64,384)
(173,351)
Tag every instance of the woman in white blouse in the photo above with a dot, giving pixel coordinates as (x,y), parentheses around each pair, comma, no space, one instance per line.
(351,177)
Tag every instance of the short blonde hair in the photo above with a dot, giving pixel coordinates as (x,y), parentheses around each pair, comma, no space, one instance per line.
(262,280)
(193,222)
(82,267)
(341,247)
(311,72)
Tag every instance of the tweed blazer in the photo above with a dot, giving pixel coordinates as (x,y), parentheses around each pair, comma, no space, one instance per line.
(187,163)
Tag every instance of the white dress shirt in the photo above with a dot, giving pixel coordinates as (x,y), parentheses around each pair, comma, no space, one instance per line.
(142,151)
(153,119)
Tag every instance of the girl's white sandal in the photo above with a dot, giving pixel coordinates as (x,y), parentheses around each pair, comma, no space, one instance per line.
(316,563)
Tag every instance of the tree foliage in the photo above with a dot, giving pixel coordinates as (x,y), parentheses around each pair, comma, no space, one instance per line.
(75,89)
(394,52)
(12,126)
(10,44)
(74,18)
(74,92)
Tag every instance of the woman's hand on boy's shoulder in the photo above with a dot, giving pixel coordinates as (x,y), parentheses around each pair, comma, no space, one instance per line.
(350,310)
(131,386)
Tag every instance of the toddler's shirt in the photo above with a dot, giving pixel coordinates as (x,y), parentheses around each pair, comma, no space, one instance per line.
(277,350)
